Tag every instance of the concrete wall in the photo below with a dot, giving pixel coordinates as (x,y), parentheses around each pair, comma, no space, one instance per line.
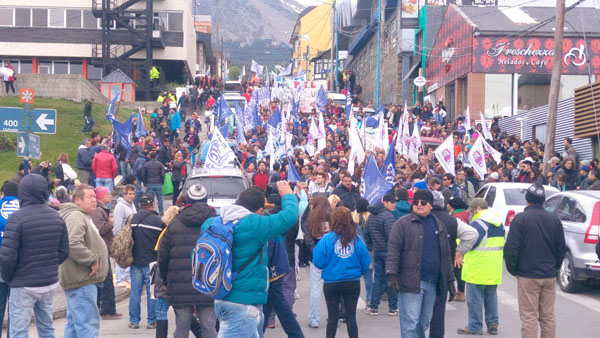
(63,86)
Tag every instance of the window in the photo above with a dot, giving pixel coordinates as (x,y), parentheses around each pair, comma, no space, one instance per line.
(571,211)
(22,17)
(539,132)
(515,196)
(175,20)
(491,196)
(73,18)
(498,95)
(39,17)
(76,67)
(45,67)
(89,21)
(57,17)
(6,16)
(568,83)
(25,66)
(533,91)
(551,204)
(481,192)
(61,67)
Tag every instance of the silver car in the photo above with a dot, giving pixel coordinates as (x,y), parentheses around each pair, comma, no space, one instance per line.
(579,212)
(222,185)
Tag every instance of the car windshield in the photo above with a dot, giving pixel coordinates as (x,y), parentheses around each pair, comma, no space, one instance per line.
(226,187)
(231,104)
(517,196)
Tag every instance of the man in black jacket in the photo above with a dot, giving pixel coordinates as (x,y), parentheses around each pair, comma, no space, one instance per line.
(418,264)
(35,243)
(84,161)
(346,191)
(533,252)
(379,226)
(153,176)
(146,227)
(175,269)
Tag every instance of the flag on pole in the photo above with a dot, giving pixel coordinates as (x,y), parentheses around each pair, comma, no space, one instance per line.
(467,120)
(219,154)
(486,131)
(140,128)
(242,73)
(415,144)
(322,139)
(292,174)
(321,100)
(477,158)
(496,155)
(445,155)
(348,103)
(222,109)
(110,112)
(287,70)
(373,185)
(239,124)
(388,169)
(258,69)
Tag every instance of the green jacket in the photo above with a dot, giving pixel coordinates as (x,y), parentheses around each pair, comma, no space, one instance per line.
(86,247)
(253,231)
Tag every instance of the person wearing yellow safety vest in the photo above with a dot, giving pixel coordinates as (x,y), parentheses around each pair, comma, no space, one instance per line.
(154,74)
(482,269)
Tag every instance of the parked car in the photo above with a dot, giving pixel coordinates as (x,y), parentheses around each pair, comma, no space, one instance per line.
(508,198)
(579,212)
(222,185)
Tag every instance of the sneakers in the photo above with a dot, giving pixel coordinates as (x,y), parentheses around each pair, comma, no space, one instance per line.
(466,331)
(459,296)
(112,317)
(151,326)
(493,329)
(271,326)
(373,312)
(367,309)
(133,326)
(313,325)
(393,313)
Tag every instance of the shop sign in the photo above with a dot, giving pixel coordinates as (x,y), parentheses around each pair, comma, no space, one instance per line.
(432,88)
(420,81)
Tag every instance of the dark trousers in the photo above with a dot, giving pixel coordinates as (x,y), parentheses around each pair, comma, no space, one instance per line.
(176,191)
(460,284)
(276,302)
(334,293)
(10,84)
(4,294)
(379,284)
(106,295)
(88,124)
(436,328)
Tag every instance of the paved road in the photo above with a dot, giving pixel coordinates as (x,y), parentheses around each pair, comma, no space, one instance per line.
(577,315)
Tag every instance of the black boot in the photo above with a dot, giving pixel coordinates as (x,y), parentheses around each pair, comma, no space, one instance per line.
(196,328)
(162,328)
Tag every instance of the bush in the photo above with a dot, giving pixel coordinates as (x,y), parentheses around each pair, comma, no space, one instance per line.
(7,143)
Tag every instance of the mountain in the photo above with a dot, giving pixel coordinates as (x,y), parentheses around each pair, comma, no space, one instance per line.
(247,21)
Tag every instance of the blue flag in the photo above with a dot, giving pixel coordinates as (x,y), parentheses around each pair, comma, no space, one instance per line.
(348,103)
(238,124)
(388,169)
(373,121)
(224,129)
(322,100)
(275,119)
(140,129)
(223,111)
(373,185)
(295,107)
(110,112)
(292,174)
(122,132)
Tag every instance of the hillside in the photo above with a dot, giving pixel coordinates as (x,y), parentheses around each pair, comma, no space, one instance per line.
(67,138)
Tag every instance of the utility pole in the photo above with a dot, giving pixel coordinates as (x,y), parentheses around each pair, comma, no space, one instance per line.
(377,74)
(554,83)
(332,51)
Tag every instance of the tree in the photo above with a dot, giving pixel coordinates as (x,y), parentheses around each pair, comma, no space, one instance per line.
(234,73)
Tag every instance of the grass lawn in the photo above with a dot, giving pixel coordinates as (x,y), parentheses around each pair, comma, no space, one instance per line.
(67,138)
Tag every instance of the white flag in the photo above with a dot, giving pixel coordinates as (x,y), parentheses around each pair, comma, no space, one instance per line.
(286,71)
(357,152)
(445,155)
(219,154)
(242,73)
(300,71)
(258,69)
(496,155)
(322,139)
(385,136)
(406,136)
(415,144)
(468,120)
(477,158)
(486,131)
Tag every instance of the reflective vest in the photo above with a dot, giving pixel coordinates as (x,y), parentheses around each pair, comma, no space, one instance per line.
(154,73)
(483,264)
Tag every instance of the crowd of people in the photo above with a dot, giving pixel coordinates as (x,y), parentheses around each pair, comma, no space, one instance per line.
(426,241)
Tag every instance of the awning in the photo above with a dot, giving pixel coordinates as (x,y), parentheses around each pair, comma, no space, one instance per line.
(411,71)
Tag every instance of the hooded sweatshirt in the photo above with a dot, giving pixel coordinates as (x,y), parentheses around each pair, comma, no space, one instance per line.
(121,212)
(86,248)
(341,264)
(402,208)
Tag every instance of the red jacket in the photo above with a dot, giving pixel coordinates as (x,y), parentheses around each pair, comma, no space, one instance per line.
(261,180)
(104,165)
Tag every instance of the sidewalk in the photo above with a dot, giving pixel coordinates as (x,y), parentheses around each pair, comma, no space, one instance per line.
(60,302)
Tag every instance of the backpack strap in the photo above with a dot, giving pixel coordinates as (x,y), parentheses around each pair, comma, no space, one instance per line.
(259,251)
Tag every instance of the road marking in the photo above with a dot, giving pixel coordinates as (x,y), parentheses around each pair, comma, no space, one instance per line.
(584,300)
(508,299)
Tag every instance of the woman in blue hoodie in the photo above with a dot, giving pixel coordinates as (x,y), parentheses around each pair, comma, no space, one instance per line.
(343,256)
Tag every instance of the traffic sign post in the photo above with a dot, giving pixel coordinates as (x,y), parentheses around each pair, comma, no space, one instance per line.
(27,95)
(28,145)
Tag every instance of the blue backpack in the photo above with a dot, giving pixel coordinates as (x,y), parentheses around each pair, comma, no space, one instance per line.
(212,260)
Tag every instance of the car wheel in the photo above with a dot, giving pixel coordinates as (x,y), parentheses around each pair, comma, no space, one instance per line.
(565,276)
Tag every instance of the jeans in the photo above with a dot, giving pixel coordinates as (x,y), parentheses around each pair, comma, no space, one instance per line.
(184,317)
(479,297)
(88,124)
(155,189)
(124,168)
(140,275)
(438,319)
(22,304)
(4,295)
(416,310)
(349,292)
(380,283)
(83,318)
(139,191)
(105,182)
(162,308)
(238,320)
(276,302)
(288,287)
(316,285)
(122,274)
(106,295)
(368,279)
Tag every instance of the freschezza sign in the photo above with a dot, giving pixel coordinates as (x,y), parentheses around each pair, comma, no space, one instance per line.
(533,55)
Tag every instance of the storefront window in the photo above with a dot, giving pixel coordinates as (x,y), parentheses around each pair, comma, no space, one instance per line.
(498,95)
(533,91)
(568,84)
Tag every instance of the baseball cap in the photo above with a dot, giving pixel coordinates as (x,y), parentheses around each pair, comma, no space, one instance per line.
(146,199)
(478,203)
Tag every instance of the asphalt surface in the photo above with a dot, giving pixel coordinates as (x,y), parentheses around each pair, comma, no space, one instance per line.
(576,314)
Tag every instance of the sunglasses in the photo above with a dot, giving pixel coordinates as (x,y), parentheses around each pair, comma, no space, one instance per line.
(420,202)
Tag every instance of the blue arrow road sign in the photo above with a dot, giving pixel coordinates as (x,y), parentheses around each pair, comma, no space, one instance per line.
(34,145)
(43,121)
(11,119)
